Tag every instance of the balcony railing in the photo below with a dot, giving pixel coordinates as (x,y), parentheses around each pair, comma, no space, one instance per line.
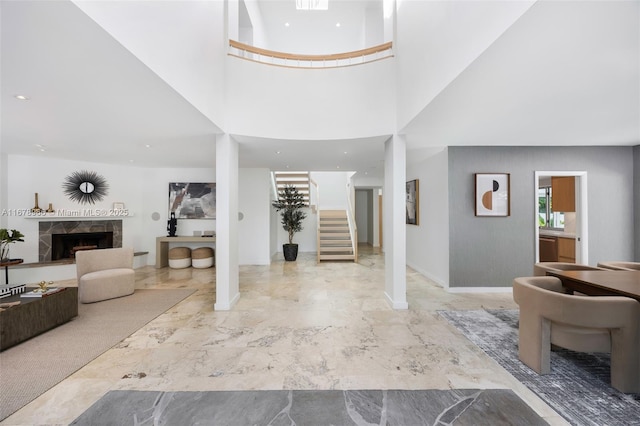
(291,60)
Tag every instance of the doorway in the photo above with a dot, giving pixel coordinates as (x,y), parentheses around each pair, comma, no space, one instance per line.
(579,221)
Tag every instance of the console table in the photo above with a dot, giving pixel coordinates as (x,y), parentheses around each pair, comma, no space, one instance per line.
(162,247)
(6,265)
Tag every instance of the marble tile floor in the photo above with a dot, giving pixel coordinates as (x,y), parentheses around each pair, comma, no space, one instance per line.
(298,325)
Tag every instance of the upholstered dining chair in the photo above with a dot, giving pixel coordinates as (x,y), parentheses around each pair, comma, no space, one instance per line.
(104,274)
(541,268)
(620,266)
(548,317)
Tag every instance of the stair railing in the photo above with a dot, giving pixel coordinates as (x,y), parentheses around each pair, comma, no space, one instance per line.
(353,228)
(315,186)
(291,60)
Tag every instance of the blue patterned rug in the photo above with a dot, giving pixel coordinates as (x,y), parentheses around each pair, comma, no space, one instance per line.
(578,387)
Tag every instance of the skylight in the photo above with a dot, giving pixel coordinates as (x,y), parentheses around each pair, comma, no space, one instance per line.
(312,4)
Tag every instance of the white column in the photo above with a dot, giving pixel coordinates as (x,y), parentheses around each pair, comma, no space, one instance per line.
(227,274)
(394,226)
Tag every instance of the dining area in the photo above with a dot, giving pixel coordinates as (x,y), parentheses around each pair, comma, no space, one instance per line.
(582,308)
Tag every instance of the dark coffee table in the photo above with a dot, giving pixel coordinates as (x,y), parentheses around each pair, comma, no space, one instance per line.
(35,315)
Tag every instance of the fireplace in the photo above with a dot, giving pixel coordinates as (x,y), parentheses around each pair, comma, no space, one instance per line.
(65,246)
(61,239)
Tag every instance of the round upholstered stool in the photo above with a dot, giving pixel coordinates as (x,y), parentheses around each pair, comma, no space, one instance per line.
(179,257)
(202,257)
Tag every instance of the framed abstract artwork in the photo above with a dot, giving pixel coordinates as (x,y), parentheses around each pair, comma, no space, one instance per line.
(493,196)
(192,200)
(413,205)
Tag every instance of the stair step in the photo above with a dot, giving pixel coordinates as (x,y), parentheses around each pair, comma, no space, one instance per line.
(335,241)
(334,213)
(337,256)
(339,248)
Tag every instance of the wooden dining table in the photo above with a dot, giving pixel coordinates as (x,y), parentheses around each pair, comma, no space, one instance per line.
(601,283)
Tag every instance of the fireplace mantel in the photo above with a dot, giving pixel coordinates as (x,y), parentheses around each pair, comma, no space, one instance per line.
(55,216)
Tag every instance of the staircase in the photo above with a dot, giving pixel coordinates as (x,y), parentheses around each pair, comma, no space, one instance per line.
(298,179)
(334,238)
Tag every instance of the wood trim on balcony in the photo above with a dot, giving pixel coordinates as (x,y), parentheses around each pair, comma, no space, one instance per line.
(298,58)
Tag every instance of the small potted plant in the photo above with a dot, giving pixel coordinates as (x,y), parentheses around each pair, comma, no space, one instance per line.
(290,204)
(8,237)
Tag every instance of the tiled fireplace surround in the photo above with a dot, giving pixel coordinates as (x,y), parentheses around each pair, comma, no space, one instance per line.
(48,228)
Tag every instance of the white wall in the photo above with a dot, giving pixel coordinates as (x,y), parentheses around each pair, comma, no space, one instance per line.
(333,189)
(183,42)
(28,175)
(255,206)
(374,25)
(428,243)
(437,40)
(340,108)
(259,35)
(144,192)
(156,200)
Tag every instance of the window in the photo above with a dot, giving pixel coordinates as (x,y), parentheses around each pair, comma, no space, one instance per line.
(547,218)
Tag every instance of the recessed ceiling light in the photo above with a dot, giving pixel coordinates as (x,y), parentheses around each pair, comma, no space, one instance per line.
(337,167)
(345,152)
(131,161)
(21,97)
(147,146)
(277,152)
(286,24)
(338,24)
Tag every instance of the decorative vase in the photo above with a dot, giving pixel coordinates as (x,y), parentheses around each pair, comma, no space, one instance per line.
(290,252)
(4,253)
(36,208)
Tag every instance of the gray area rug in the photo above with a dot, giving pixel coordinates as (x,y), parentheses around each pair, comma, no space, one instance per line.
(578,387)
(312,407)
(36,365)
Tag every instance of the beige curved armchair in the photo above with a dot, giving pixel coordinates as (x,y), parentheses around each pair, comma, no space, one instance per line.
(541,268)
(579,323)
(620,266)
(104,274)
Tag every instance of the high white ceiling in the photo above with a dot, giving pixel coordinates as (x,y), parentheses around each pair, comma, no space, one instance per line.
(92,100)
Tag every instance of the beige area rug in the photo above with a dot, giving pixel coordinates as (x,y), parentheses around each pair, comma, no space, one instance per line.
(33,367)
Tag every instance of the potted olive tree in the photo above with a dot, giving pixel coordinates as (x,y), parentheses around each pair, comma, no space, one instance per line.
(8,237)
(290,204)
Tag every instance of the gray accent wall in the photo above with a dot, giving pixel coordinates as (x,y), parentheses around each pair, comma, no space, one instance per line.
(491,251)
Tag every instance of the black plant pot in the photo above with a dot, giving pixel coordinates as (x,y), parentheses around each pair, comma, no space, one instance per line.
(290,252)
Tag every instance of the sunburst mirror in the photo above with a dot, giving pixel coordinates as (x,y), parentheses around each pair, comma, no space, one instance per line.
(85,187)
